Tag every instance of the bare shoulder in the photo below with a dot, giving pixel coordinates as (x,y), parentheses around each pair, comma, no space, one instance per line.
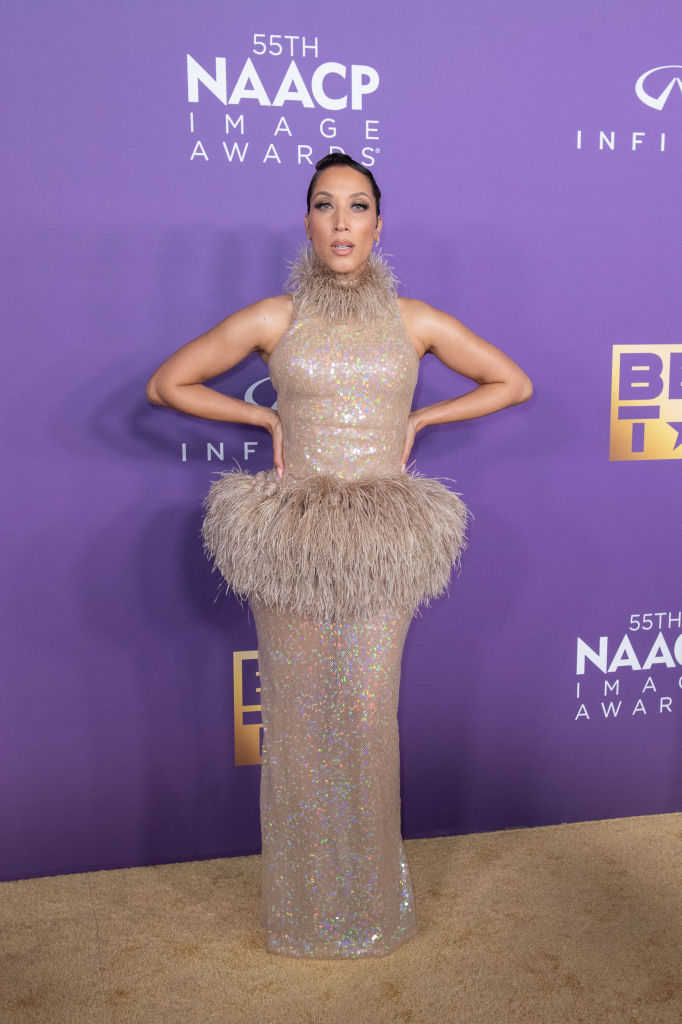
(414,310)
(422,322)
(253,328)
(267,318)
(276,306)
(458,347)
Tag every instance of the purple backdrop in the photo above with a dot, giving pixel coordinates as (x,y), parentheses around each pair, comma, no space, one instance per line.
(530,159)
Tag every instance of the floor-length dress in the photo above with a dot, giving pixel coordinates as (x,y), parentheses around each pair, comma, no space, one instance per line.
(334,558)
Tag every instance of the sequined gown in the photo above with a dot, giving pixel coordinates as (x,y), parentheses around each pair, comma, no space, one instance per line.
(338,554)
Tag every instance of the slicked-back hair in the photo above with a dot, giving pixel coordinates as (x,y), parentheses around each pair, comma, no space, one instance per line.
(342,160)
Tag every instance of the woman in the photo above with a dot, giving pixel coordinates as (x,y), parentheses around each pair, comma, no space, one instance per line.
(335,548)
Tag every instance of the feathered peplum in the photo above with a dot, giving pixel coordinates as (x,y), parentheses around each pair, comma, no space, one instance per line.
(330,548)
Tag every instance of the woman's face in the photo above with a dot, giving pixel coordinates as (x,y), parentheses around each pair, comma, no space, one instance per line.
(342,224)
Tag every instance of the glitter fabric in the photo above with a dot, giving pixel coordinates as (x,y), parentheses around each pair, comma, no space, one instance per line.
(344,395)
(335,879)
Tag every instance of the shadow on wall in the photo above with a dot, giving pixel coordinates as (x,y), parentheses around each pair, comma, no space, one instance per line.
(169,731)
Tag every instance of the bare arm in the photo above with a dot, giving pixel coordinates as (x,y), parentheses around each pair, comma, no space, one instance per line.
(499,381)
(179,381)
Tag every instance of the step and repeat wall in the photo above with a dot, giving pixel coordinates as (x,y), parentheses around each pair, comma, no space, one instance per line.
(158,156)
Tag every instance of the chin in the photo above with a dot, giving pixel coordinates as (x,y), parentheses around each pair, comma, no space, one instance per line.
(345,266)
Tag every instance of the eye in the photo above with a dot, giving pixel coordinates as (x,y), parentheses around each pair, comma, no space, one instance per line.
(359,205)
(321,204)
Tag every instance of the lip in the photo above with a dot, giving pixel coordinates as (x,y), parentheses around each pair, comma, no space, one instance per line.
(347,248)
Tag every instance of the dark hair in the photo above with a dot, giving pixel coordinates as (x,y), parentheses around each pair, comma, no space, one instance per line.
(342,160)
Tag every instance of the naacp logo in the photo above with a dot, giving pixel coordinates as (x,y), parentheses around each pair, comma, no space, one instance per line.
(646,86)
(257,114)
(646,402)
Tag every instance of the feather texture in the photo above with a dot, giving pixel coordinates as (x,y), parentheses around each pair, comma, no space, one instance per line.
(318,291)
(330,548)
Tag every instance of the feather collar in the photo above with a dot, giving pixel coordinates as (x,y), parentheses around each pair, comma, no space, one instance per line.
(318,291)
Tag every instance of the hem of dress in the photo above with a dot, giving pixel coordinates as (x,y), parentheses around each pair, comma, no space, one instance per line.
(302,952)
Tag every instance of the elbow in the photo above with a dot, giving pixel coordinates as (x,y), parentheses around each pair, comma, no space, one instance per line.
(524,389)
(520,388)
(152,392)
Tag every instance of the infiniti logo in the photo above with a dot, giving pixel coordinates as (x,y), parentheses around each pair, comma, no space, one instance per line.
(249,394)
(658,102)
(215,452)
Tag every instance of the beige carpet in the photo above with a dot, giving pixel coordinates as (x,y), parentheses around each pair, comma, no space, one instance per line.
(574,923)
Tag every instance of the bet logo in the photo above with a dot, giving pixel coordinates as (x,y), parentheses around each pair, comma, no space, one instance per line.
(646,402)
(248,724)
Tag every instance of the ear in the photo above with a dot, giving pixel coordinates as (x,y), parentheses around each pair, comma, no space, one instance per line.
(305,223)
(380,224)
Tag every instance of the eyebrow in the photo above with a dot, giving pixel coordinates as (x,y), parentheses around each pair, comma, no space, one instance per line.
(352,195)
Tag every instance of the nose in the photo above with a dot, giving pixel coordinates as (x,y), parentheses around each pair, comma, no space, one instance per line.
(340,220)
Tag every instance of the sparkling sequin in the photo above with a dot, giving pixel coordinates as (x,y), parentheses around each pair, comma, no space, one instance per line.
(344,395)
(335,879)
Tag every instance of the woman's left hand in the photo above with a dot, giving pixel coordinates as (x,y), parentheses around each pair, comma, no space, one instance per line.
(410,434)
